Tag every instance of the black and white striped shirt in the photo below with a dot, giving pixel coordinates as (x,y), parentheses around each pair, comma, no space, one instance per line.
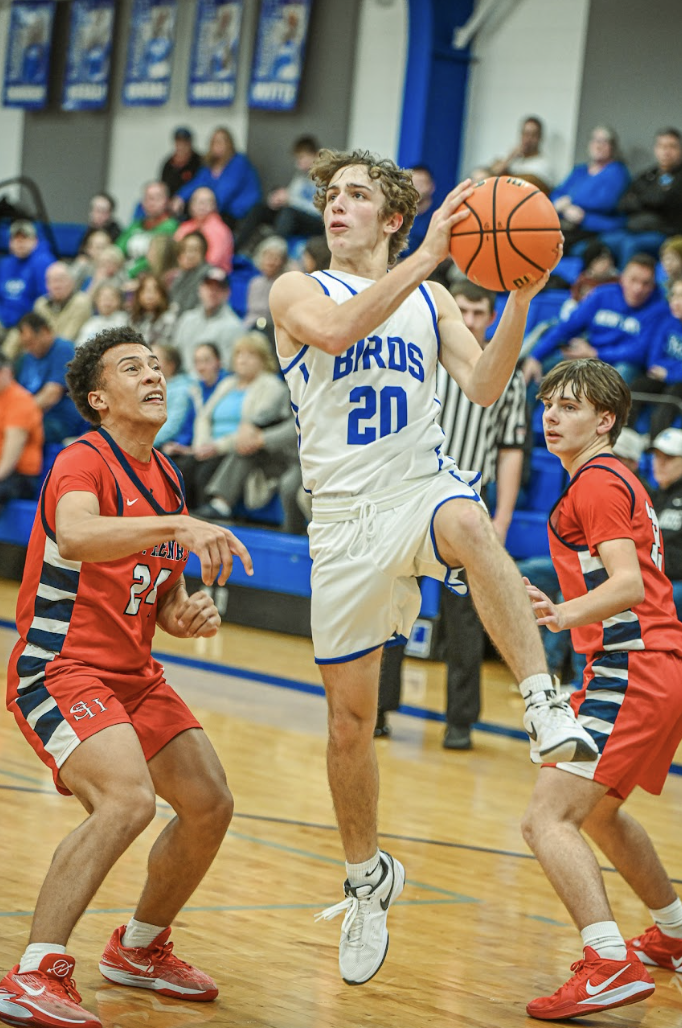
(474,434)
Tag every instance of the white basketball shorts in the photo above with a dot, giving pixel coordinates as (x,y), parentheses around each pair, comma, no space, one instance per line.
(367,554)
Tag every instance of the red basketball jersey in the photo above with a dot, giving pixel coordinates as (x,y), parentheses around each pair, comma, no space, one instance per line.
(605,501)
(101,615)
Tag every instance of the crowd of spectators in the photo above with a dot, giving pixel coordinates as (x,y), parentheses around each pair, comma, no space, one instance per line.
(169,272)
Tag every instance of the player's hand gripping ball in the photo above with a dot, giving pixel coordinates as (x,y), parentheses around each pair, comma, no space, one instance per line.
(511,237)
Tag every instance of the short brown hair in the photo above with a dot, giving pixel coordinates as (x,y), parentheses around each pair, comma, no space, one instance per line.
(599,383)
(400,196)
(470,291)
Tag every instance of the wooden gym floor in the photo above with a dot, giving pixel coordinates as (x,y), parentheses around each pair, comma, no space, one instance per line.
(477,932)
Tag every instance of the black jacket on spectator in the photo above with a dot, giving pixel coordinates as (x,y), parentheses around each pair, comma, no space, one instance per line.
(668,506)
(653,203)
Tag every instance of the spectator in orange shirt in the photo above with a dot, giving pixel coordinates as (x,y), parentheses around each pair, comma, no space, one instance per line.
(21,439)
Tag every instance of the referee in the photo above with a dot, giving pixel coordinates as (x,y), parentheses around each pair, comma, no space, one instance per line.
(490,439)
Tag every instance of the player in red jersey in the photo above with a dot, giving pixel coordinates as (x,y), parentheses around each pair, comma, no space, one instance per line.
(608,552)
(104,567)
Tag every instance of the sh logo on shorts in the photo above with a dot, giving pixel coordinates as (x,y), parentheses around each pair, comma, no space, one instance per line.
(81,709)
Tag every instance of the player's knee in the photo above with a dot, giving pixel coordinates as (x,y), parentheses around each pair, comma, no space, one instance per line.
(217,809)
(528,829)
(133,810)
(349,727)
(463,532)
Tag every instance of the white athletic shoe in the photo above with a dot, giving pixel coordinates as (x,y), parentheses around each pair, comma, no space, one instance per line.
(555,733)
(364,936)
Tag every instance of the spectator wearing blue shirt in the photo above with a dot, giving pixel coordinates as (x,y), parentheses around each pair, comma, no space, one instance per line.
(612,323)
(664,366)
(42,370)
(230,175)
(653,203)
(587,201)
(22,273)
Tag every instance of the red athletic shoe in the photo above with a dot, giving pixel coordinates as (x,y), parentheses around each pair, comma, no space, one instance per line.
(154,967)
(46,998)
(657,949)
(596,985)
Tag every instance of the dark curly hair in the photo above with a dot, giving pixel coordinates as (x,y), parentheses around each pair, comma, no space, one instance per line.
(396,184)
(85,370)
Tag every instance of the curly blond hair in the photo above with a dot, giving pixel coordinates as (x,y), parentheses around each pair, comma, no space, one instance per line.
(400,195)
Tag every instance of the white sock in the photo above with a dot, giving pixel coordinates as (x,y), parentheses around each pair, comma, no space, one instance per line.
(35,952)
(669,919)
(535,688)
(140,935)
(605,940)
(367,873)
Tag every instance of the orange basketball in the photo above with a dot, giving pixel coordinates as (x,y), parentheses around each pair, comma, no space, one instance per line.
(511,236)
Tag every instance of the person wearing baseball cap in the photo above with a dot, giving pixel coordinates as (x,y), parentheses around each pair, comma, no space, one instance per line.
(182,165)
(212,321)
(22,274)
(667,502)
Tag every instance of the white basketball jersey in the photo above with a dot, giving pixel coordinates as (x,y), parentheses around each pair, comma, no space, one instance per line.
(367,419)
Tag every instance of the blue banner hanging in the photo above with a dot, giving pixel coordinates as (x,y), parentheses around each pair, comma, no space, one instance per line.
(278,58)
(88,63)
(215,50)
(27,62)
(150,53)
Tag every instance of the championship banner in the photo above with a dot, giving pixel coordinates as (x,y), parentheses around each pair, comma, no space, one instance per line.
(27,62)
(215,49)
(88,63)
(150,53)
(278,58)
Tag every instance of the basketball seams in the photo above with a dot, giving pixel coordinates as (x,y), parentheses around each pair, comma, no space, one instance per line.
(479,234)
(497,256)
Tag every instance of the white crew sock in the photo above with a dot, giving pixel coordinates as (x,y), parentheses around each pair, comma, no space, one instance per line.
(605,940)
(35,952)
(139,935)
(669,919)
(367,873)
(535,688)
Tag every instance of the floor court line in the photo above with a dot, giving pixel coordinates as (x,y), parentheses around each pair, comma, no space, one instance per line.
(423,713)
(486,850)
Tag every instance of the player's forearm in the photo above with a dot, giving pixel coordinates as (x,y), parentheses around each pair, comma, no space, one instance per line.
(498,361)
(610,598)
(509,468)
(96,539)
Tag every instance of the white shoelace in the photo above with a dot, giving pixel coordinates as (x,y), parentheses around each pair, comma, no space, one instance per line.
(351,905)
(365,530)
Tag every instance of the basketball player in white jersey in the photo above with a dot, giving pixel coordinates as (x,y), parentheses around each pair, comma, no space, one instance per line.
(359,349)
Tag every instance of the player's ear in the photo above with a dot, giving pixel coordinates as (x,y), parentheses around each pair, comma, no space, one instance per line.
(607,420)
(96,400)
(394,223)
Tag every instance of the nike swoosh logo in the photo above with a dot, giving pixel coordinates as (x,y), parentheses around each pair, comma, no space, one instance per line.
(141,967)
(676,962)
(131,502)
(594,990)
(33,992)
(532,733)
(370,873)
(387,902)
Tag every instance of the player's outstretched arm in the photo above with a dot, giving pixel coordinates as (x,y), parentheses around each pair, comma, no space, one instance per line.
(483,374)
(304,316)
(85,535)
(187,617)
